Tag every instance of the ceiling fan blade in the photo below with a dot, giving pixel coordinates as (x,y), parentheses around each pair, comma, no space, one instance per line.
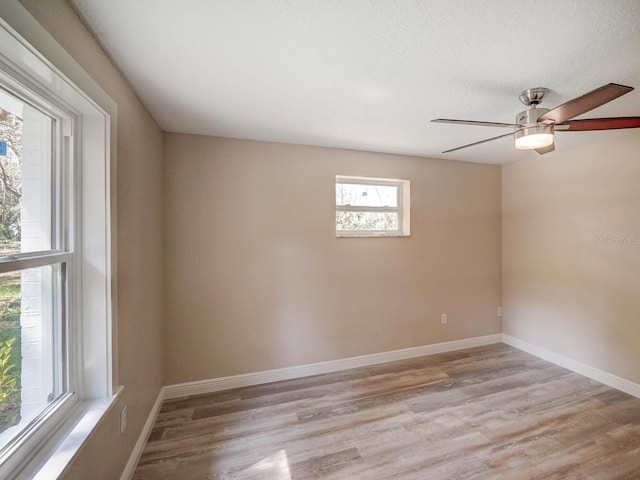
(598,124)
(478,143)
(584,103)
(548,149)
(479,124)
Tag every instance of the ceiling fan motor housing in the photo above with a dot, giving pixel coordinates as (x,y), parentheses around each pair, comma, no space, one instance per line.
(532,134)
(530,117)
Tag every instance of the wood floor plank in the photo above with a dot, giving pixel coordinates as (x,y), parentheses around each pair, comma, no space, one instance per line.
(486,413)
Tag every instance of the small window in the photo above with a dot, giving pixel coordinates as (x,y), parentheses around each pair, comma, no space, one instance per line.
(371,207)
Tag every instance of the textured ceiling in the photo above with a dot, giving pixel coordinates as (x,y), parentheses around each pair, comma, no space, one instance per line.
(369,75)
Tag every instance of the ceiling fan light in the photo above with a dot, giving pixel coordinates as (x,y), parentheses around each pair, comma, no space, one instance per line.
(530,138)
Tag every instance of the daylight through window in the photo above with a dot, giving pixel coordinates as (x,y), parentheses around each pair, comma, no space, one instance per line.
(34,258)
(372,206)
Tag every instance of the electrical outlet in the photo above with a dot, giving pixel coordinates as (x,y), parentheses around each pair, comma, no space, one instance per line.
(443,318)
(499,311)
(123,420)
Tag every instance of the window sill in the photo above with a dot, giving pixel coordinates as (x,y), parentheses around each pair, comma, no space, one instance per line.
(62,449)
(371,235)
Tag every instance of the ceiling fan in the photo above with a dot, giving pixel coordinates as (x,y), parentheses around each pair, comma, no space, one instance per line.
(535,128)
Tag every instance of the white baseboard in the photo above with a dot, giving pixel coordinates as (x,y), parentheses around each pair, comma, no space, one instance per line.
(248,379)
(134,458)
(582,368)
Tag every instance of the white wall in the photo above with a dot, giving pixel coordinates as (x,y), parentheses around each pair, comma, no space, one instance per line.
(35,219)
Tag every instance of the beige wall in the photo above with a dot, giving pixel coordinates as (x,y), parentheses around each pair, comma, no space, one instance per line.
(570,283)
(256,279)
(139,256)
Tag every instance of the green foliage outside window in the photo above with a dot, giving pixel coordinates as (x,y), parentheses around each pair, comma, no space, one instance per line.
(9,386)
(366,221)
(10,288)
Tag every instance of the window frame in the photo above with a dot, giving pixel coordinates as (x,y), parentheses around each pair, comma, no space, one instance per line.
(90,132)
(402,207)
(60,253)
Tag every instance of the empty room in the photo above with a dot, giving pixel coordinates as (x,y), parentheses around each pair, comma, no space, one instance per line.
(319,239)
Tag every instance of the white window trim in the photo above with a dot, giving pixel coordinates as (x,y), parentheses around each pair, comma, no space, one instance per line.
(402,209)
(94,112)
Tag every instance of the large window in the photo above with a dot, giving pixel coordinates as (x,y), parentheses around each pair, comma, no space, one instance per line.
(35,272)
(372,206)
(55,283)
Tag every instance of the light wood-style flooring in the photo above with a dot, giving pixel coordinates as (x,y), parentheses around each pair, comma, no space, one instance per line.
(485,413)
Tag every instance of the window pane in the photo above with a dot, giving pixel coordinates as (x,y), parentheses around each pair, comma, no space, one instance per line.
(366,195)
(25,177)
(366,221)
(31,359)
